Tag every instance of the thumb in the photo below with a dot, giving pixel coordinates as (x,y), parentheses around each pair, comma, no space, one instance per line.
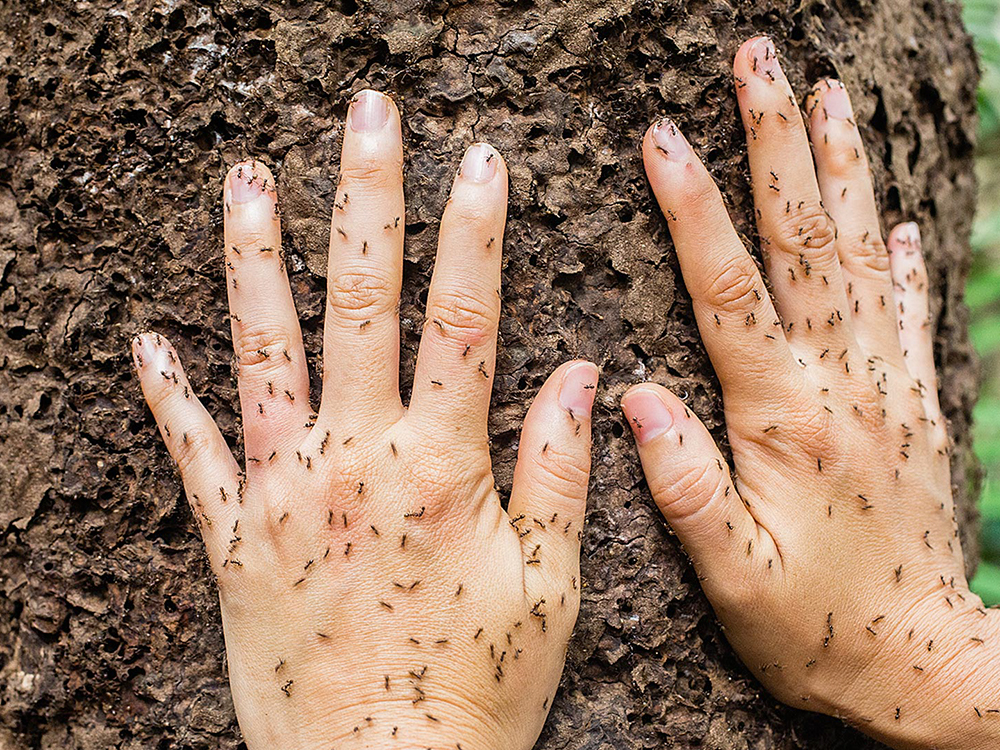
(549,496)
(691,484)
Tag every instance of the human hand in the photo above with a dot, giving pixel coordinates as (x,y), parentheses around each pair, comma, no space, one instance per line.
(832,556)
(374,593)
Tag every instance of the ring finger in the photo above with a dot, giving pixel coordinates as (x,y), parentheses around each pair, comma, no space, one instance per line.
(845,181)
(798,237)
(273,378)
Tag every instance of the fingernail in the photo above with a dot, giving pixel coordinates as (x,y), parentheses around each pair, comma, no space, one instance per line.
(670,141)
(579,386)
(144,350)
(479,163)
(908,234)
(369,111)
(836,102)
(245,184)
(764,59)
(647,414)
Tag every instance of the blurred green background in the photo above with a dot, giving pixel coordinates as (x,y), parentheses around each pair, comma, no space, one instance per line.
(983,293)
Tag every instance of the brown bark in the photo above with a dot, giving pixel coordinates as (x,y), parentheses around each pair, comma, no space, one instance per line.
(117,124)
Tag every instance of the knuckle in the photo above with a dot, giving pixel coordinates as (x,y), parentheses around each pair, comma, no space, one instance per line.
(686,491)
(260,346)
(868,254)
(360,295)
(915,321)
(843,157)
(813,428)
(735,286)
(469,210)
(448,473)
(800,430)
(370,171)
(195,443)
(251,236)
(566,474)
(700,194)
(462,312)
(806,228)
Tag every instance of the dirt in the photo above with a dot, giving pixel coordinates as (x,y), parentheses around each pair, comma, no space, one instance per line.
(117,122)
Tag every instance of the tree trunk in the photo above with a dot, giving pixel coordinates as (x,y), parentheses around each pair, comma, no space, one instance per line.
(118,122)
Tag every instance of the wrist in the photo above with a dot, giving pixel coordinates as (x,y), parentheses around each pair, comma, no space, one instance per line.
(374,722)
(937,685)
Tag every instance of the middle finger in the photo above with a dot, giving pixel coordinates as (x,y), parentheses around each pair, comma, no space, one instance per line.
(798,237)
(365,268)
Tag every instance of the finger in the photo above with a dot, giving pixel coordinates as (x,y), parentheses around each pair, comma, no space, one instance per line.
(691,485)
(454,373)
(210,474)
(549,496)
(361,338)
(797,235)
(270,359)
(916,336)
(732,307)
(846,185)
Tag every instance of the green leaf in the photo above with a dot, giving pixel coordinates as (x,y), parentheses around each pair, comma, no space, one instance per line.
(987,583)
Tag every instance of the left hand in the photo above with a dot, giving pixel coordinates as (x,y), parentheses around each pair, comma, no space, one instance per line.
(374,592)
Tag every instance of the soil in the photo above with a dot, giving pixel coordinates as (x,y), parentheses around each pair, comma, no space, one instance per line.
(117,123)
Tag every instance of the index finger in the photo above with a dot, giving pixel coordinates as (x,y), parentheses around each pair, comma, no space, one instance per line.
(733,309)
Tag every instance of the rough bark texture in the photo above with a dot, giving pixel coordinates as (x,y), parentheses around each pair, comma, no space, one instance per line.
(117,122)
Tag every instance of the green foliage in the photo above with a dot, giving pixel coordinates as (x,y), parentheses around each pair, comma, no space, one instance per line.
(982,18)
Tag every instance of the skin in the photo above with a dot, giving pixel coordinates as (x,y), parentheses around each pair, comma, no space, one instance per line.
(831,554)
(374,593)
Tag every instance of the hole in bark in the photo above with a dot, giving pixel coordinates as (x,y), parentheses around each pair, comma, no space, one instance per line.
(536,131)
(892,199)
(176,20)
(914,154)
(111,643)
(552,220)
(879,121)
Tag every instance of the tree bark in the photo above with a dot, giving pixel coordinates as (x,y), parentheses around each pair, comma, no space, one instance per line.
(118,122)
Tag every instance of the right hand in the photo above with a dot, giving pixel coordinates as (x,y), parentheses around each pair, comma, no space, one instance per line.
(832,556)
